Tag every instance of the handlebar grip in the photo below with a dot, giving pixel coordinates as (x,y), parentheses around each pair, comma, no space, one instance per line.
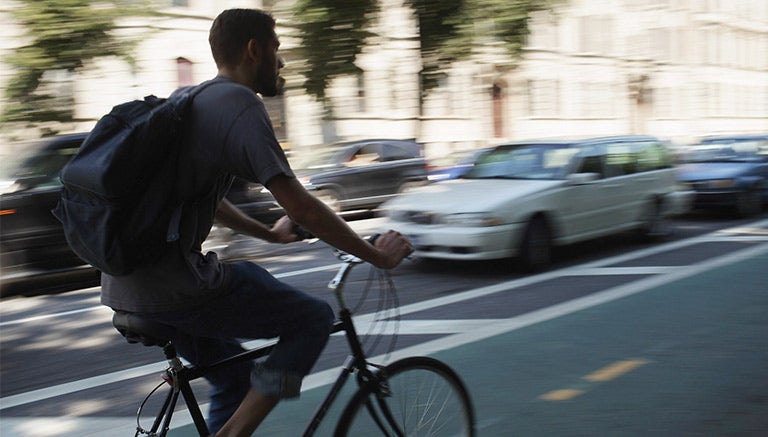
(372,239)
(302,233)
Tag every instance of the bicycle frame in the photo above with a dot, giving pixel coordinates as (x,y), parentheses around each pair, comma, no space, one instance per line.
(179,376)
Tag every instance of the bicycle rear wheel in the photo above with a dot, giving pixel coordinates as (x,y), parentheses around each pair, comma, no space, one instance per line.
(418,396)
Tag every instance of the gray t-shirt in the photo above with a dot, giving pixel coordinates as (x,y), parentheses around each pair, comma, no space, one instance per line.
(230,134)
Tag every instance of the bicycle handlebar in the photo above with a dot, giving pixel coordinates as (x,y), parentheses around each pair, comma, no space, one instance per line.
(303,234)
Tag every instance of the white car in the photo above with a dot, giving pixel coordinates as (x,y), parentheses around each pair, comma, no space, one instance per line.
(523,198)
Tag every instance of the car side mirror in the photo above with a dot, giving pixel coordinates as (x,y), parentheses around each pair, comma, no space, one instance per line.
(582,178)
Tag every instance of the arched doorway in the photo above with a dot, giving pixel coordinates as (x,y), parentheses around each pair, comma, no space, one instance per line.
(497,99)
(184,71)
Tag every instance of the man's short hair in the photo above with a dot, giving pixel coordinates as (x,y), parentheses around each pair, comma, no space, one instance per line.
(232,30)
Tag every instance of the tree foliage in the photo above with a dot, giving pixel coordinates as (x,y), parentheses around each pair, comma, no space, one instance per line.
(60,36)
(333,33)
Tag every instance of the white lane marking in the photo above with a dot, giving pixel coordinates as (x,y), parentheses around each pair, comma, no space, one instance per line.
(81,384)
(49,316)
(678,273)
(61,426)
(608,271)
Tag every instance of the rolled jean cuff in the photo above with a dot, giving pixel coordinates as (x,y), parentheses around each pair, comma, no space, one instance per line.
(275,383)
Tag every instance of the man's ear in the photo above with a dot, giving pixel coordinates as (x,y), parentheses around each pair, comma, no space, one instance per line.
(254,50)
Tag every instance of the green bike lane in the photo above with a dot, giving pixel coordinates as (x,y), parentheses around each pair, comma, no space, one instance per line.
(681,357)
(685,358)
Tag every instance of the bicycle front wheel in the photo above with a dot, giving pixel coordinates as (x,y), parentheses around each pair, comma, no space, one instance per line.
(417,396)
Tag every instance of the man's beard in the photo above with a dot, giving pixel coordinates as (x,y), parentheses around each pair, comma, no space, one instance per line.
(273,88)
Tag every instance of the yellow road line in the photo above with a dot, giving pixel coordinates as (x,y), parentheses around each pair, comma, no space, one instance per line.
(607,373)
(614,370)
(561,395)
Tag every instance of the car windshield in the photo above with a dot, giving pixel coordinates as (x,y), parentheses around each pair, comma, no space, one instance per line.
(523,161)
(729,151)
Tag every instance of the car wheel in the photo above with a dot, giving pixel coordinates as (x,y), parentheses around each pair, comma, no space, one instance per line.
(748,203)
(536,246)
(655,225)
(330,198)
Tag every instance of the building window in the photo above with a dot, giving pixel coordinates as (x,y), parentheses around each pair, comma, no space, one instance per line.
(360,97)
(664,102)
(661,42)
(543,31)
(543,98)
(595,34)
(596,99)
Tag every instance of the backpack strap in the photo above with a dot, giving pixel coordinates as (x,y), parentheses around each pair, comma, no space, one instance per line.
(183,102)
(174,225)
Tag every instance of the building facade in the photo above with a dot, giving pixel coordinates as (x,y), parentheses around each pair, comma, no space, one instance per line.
(677,69)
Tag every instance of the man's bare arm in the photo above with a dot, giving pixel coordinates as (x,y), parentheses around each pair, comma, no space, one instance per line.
(232,217)
(312,214)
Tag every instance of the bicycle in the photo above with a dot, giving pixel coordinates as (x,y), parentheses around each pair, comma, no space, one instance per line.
(412,396)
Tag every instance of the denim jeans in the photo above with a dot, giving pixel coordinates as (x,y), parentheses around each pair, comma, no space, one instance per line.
(257,306)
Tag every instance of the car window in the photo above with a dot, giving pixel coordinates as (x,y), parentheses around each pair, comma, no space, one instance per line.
(367,154)
(653,156)
(621,159)
(729,151)
(592,159)
(39,167)
(316,159)
(592,164)
(526,161)
(395,152)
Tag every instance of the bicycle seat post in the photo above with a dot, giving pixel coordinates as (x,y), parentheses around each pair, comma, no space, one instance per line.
(174,362)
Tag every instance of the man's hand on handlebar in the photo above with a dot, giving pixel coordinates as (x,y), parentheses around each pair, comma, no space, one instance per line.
(394,246)
(285,231)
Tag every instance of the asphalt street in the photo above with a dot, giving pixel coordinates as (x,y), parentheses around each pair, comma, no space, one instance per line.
(646,345)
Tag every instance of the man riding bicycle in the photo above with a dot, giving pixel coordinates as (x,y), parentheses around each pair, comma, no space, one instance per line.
(213,304)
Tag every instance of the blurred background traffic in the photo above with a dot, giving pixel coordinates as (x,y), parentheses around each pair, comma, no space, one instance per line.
(386,96)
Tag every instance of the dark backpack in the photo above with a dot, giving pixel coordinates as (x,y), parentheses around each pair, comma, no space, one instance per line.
(121,201)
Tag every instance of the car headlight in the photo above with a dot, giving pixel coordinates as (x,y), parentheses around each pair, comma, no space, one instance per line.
(722,183)
(471,220)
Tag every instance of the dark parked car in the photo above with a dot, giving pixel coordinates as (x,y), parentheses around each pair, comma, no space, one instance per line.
(32,243)
(255,200)
(362,174)
(31,239)
(728,172)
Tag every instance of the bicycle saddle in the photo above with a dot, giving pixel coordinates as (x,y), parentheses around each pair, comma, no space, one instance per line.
(139,330)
